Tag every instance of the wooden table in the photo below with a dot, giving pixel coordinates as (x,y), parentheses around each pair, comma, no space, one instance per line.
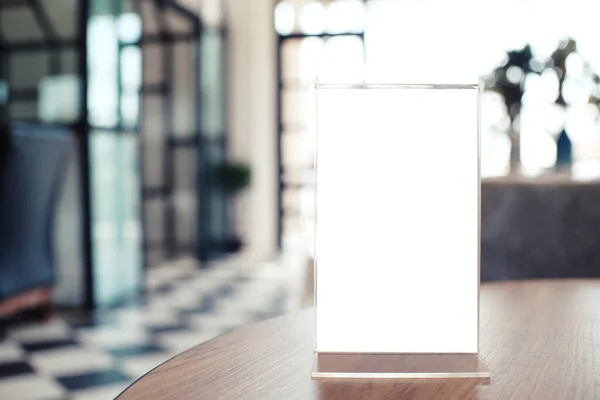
(541,340)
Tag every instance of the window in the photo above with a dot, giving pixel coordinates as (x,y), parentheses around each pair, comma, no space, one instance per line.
(403,41)
(316,41)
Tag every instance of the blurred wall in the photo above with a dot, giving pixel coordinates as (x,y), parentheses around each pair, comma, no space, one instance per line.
(252,119)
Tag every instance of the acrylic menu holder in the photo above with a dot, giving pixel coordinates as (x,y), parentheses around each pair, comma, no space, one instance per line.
(397,201)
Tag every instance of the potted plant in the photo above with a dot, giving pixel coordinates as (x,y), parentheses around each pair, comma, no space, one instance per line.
(231,178)
(508,80)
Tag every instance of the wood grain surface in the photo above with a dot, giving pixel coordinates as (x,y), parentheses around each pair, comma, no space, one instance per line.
(540,339)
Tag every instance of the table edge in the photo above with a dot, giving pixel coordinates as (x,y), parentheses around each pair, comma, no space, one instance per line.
(218,337)
(493,284)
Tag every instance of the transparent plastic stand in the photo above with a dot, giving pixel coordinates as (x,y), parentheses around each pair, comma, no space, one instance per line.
(399,366)
(397,204)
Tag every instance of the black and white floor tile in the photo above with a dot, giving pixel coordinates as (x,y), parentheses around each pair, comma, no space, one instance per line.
(96,356)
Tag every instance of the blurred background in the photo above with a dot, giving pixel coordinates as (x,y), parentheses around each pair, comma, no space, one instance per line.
(156,182)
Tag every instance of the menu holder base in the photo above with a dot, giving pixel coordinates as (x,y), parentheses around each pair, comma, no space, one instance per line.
(399,366)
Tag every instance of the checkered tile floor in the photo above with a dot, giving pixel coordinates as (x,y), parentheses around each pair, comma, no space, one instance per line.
(97,356)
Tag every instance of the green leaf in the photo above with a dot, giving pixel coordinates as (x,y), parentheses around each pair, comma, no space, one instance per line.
(231,177)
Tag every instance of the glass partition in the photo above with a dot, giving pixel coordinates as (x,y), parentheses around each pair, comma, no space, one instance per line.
(114,79)
(183,129)
(214,129)
(142,83)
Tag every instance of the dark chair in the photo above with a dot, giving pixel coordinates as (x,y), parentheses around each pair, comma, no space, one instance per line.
(30,175)
(544,229)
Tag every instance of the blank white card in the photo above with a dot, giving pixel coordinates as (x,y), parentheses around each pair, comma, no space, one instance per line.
(397,226)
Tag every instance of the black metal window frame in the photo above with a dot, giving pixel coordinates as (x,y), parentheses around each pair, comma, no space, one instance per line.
(164,89)
(53,44)
(282,185)
(203,249)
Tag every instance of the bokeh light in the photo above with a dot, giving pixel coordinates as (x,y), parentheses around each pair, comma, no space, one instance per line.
(312,18)
(284,18)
